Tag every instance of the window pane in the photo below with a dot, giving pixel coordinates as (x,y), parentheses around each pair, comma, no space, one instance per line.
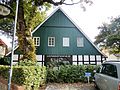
(80,42)
(92,57)
(110,70)
(74,57)
(98,57)
(51,41)
(36,41)
(86,58)
(80,57)
(66,42)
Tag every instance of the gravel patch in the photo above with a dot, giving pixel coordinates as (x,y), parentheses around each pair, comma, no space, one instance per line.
(72,86)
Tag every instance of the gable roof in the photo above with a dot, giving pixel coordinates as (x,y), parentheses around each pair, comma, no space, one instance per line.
(2,43)
(59,8)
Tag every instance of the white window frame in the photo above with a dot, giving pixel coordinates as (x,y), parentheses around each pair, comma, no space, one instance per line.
(66,41)
(80,42)
(50,42)
(37,42)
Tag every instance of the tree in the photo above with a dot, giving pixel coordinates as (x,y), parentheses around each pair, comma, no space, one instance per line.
(109,36)
(6,27)
(27,14)
(29,17)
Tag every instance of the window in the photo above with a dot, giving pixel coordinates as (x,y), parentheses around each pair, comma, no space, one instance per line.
(51,41)
(80,42)
(66,42)
(36,41)
(109,70)
(1,48)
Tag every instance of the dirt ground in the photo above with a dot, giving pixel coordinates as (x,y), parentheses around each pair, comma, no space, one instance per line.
(67,86)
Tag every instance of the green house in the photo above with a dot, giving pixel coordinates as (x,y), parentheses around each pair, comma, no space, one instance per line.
(59,39)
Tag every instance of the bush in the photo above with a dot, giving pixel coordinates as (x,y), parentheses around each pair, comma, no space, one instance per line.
(26,62)
(29,76)
(4,61)
(70,73)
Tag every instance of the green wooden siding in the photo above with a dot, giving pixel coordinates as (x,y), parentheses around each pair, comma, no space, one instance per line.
(59,26)
(58,20)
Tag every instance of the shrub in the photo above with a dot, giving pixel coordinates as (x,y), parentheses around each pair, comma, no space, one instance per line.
(4,71)
(29,76)
(70,73)
(26,62)
(4,61)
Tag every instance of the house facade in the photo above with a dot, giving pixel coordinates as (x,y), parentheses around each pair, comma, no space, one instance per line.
(59,39)
(3,48)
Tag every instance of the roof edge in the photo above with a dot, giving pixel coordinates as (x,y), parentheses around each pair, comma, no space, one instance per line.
(46,19)
(83,33)
(72,22)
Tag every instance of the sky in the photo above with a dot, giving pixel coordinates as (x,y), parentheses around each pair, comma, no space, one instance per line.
(100,11)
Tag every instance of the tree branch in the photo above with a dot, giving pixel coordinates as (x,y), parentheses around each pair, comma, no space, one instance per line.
(40,2)
(72,3)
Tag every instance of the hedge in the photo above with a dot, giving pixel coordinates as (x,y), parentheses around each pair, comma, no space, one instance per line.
(4,61)
(70,73)
(35,76)
(28,76)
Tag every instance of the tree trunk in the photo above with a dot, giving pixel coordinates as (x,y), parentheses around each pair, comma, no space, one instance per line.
(26,45)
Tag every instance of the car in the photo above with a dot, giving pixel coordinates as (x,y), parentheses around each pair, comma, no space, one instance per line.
(107,77)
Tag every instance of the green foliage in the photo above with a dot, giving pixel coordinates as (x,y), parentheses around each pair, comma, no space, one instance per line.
(29,16)
(4,71)
(28,76)
(33,15)
(27,63)
(4,61)
(109,36)
(70,73)
(56,63)
(6,27)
